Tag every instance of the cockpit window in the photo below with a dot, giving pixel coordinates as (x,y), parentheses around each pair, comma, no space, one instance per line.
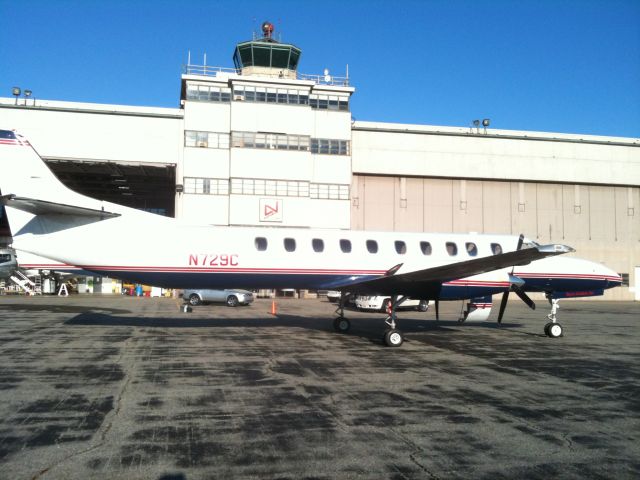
(5,257)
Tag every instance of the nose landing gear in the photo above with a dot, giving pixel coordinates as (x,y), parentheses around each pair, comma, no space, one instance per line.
(553,329)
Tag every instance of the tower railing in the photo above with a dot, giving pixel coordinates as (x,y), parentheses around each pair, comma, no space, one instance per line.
(212,71)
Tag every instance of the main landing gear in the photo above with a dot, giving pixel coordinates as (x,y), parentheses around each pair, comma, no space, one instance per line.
(341,324)
(553,329)
(392,336)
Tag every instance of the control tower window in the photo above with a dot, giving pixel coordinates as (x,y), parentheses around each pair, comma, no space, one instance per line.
(206,93)
(280,95)
(326,102)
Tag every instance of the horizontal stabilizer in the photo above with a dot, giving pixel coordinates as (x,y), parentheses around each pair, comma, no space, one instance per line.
(42,207)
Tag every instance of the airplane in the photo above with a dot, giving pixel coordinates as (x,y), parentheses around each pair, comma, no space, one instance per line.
(50,220)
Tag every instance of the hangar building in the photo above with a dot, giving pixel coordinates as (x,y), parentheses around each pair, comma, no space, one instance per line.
(263,144)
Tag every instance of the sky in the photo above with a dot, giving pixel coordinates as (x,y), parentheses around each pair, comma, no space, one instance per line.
(567,66)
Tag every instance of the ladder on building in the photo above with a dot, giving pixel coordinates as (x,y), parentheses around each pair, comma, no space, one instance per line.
(31,287)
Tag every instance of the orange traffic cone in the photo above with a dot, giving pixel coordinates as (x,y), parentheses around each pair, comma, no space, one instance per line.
(273,307)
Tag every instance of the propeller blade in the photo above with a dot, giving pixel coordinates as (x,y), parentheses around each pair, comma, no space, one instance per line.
(525,298)
(503,305)
(520,241)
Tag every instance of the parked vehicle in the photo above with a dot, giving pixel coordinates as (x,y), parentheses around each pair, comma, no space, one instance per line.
(231,297)
(333,296)
(382,303)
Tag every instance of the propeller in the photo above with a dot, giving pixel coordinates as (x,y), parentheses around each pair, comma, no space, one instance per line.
(516,286)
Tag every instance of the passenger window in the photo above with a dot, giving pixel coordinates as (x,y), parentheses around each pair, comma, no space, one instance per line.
(401,247)
(452,249)
(261,244)
(372,246)
(496,248)
(290,244)
(345,245)
(472,249)
(425,247)
(317,244)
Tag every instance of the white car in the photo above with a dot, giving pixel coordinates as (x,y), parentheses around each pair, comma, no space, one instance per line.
(333,296)
(382,303)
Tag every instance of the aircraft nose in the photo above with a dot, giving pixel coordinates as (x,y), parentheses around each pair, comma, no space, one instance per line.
(614,279)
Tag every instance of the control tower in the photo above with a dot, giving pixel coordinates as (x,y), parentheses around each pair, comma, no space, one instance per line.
(267,56)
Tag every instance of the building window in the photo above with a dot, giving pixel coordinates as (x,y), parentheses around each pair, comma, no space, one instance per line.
(345,245)
(372,246)
(330,146)
(194,138)
(270,95)
(261,186)
(472,249)
(206,186)
(329,191)
(207,93)
(425,248)
(269,141)
(401,247)
(317,244)
(452,249)
(329,102)
(496,248)
(290,244)
(261,244)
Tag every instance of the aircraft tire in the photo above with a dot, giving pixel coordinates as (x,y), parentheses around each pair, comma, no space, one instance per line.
(194,300)
(546,328)
(341,325)
(393,338)
(554,330)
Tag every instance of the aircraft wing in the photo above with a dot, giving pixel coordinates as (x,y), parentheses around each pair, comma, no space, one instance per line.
(427,283)
(42,207)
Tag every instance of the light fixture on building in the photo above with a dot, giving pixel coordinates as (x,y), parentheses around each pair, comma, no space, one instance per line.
(476,123)
(15,91)
(27,93)
(179,188)
(485,124)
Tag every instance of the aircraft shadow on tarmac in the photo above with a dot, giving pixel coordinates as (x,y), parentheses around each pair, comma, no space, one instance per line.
(370,328)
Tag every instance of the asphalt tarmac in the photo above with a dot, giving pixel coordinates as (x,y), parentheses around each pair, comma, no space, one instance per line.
(131,388)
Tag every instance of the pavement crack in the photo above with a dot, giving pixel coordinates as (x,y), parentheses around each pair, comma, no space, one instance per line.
(106,425)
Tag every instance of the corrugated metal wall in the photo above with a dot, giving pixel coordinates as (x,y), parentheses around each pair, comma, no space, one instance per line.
(601,222)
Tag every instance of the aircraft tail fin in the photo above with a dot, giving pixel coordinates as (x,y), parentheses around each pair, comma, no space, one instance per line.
(30,189)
